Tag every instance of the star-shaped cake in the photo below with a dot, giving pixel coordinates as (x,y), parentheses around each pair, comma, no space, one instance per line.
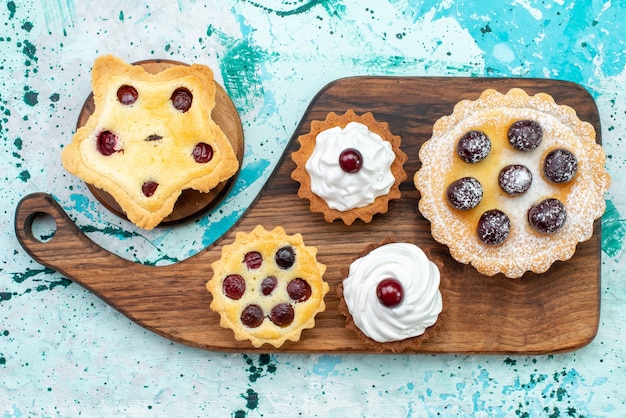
(150,137)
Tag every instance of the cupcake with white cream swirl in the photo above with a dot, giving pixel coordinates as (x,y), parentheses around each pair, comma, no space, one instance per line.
(391,296)
(349,167)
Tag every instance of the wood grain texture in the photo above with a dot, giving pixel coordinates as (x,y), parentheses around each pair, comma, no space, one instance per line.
(552,312)
(191,203)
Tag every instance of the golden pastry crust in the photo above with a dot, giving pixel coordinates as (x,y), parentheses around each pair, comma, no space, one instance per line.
(307,145)
(525,249)
(305,266)
(155,141)
(408,344)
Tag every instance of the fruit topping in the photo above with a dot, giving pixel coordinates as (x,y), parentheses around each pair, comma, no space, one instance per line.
(149,187)
(525,135)
(282,314)
(560,166)
(493,227)
(234,286)
(389,292)
(253,260)
(547,216)
(465,193)
(202,153)
(285,257)
(515,179)
(350,160)
(299,290)
(182,99)
(127,95)
(268,285)
(154,137)
(252,316)
(473,147)
(106,143)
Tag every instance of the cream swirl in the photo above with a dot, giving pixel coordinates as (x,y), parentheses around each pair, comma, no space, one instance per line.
(421,303)
(341,190)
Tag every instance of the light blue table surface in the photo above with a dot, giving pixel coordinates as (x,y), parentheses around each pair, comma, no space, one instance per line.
(64,352)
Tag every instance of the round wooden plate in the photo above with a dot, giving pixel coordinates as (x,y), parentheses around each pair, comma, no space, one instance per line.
(191,203)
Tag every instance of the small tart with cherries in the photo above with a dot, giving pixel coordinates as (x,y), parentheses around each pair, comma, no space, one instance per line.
(349,167)
(511,182)
(268,286)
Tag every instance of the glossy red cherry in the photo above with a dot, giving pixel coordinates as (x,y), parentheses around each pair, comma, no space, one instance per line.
(234,286)
(285,257)
(350,160)
(299,290)
(282,314)
(127,95)
(202,153)
(390,292)
(182,99)
(253,260)
(252,316)
(106,143)
(149,187)
(268,285)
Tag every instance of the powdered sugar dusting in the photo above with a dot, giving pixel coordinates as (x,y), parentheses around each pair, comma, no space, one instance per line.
(465,193)
(525,249)
(560,165)
(515,179)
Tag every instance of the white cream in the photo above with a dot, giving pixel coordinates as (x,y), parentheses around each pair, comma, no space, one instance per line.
(419,277)
(344,191)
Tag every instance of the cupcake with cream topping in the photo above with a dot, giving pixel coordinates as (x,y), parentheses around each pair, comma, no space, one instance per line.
(349,167)
(391,297)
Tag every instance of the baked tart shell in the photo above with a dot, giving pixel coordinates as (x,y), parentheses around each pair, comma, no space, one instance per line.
(525,249)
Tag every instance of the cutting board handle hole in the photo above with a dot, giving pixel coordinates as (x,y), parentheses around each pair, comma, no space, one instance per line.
(42,227)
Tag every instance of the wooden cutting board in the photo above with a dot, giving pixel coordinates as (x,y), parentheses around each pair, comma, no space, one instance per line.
(553,312)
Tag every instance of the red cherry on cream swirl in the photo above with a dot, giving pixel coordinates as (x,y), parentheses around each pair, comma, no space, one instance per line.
(350,160)
(392,293)
(389,292)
